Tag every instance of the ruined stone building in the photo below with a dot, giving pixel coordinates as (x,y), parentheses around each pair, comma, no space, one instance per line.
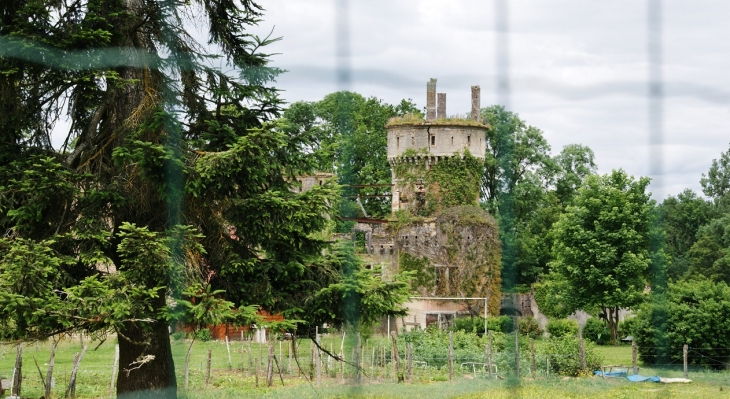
(437,229)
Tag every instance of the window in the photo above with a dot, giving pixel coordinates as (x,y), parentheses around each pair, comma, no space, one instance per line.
(397,142)
(433,140)
(452,141)
(468,140)
(413,140)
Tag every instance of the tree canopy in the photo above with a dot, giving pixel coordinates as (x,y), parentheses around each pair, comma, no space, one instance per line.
(602,245)
(173,181)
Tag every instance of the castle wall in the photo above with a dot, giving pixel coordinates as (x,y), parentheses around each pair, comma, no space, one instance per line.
(447,140)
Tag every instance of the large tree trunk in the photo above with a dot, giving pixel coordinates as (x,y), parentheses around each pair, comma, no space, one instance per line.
(156,377)
(612,318)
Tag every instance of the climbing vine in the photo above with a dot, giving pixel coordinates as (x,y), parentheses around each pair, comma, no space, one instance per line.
(451,181)
(466,242)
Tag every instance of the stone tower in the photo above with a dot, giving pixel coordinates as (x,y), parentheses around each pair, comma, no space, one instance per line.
(415,144)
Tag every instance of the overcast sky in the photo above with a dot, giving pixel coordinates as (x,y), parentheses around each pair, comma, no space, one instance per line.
(578,69)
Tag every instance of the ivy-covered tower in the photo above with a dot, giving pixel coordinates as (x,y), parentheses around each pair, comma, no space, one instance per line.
(438,161)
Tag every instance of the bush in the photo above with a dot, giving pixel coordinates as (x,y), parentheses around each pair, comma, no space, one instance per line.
(696,313)
(469,324)
(178,335)
(627,327)
(562,327)
(503,324)
(529,326)
(564,354)
(203,335)
(596,331)
(432,346)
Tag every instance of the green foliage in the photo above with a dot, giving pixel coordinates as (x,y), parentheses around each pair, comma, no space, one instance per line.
(178,335)
(345,132)
(503,324)
(452,181)
(627,327)
(529,327)
(423,272)
(432,345)
(575,163)
(694,312)
(597,331)
(558,328)
(564,354)
(469,324)
(550,295)
(716,184)
(681,217)
(358,297)
(203,335)
(709,256)
(602,245)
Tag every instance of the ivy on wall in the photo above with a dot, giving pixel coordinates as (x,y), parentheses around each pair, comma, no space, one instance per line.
(451,181)
(469,246)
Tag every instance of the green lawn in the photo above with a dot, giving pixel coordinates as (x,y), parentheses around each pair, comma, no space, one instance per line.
(95,373)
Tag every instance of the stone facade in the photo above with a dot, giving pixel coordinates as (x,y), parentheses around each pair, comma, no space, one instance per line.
(433,141)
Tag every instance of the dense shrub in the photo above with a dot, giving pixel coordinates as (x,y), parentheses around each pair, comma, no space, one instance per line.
(203,335)
(596,331)
(432,346)
(562,327)
(529,327)
(469,324)
(564,354)
(178,335)
(627,327)
(696,313)
(504,324)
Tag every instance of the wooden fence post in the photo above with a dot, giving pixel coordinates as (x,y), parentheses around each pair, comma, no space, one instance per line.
(583,365)
(207,367)
(532,354)
(398,373)
(633,358)
(410,361)
(17,381)
(489,353)
(342,356)
(318,357)
(269,363)
(71,390)
(256,371)
(243,352)
(291,371)
(517,347)
(228,349)
(685,349)
(114,370)
(358,360)
(250,354)
(49,374)
(451,355)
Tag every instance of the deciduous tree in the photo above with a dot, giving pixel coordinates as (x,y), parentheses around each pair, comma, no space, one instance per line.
(602,245)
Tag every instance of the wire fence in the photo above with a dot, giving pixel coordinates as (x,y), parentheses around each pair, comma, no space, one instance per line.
(278,362)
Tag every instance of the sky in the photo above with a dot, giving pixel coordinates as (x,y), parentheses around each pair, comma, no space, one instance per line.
(578,69)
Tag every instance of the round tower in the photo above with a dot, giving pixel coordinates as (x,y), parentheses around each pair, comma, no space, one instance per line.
(437,161)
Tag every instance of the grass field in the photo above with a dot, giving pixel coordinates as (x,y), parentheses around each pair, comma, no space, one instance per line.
(95,376)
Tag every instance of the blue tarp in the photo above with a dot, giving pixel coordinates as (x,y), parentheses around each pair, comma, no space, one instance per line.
(641,378)
(615,374)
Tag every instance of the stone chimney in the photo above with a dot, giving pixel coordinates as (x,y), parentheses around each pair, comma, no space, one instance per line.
(476,103)
(431,100)
(441,109)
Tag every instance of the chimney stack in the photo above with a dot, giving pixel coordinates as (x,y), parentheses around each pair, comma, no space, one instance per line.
(441,109)
(476,103)
(431,100)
